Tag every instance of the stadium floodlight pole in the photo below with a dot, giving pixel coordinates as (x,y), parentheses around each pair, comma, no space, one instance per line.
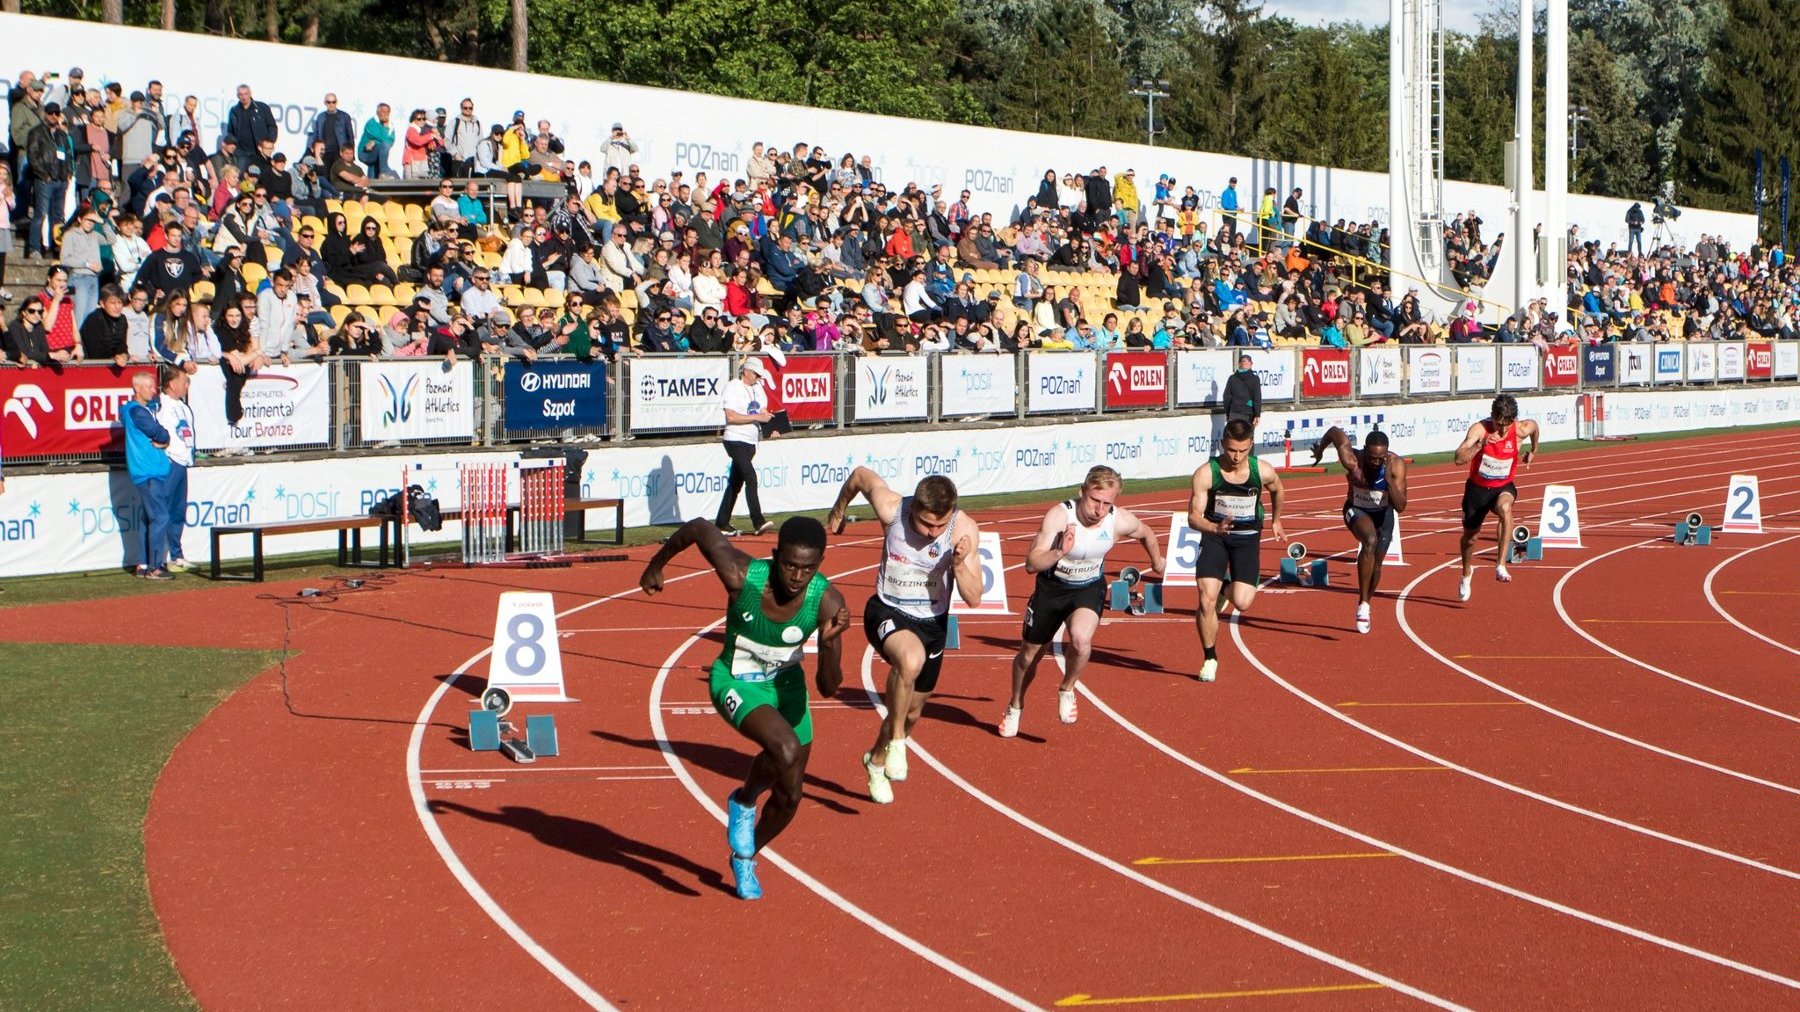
(1151,91)
(1525,287)
(1556,153)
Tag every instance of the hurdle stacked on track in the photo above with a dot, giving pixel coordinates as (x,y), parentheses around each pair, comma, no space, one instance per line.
(484,511)
(541,506)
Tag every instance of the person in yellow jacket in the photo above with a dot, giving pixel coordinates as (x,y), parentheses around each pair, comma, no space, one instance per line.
(1125,197)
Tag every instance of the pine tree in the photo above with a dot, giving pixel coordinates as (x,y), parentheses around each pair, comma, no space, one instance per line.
(1750,101)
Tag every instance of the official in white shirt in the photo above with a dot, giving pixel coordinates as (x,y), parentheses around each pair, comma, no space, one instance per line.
(173,412)
(746,408)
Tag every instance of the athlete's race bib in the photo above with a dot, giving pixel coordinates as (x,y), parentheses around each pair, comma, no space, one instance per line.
(904,584)
(1235,507)
(1079,570)
(1495,467)
(758,662)
(1368,498)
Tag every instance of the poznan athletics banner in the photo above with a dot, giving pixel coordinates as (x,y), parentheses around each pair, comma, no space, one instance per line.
(417,400)
(891,389)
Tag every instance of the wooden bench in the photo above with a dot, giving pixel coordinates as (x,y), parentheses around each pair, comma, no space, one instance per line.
(349,531)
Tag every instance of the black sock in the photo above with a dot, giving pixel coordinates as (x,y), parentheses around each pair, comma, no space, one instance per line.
(1212,653)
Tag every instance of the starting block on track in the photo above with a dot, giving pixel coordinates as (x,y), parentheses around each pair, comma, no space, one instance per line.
(1524,547)
(1692,531)
(540,734)
(1313,574)
(1132,593)
(953,636)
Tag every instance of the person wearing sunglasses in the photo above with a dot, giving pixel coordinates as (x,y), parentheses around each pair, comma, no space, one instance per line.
(26,344)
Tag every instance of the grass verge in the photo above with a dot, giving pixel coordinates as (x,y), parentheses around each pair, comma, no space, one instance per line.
(88,729)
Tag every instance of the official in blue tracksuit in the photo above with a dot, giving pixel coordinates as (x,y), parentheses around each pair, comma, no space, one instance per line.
(147,459)
(177,418)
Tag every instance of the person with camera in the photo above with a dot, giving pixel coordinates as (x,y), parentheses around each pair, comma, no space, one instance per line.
(1634,228)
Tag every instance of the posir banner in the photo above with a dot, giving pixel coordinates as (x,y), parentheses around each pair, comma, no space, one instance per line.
(1059,381)
(1787,360)
(417,400)
(977,385)
(1200,377)
(1477,369)
(283,406)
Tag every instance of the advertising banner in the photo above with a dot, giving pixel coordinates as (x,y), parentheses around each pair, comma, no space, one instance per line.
(1200,377)
(1477,369)
(891,388)
(1518,367)
(1562,366)
(1324,372)
(1597,364)
(1059,381)
(1702,362)
(1759,360)
(678,393)
(1731,361)
(1634,362)
(417,400)
(977,385)
(71,410)
(806,387)
(555,394)
(1427,371)
(1787,360)
(283,406)
(1378,372)
(1278,368)
(1669,364)
(1137,379)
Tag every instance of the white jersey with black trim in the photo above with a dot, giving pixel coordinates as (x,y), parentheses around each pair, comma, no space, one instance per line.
(915,579)
(1085,560)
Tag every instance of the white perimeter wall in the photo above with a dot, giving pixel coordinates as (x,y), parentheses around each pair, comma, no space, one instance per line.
(67,523)
(705,133)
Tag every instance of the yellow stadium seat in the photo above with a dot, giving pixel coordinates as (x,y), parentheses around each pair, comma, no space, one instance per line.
(340,313)
(405,293)
(272,254)
(535,297)
(353,213)
(491,261)
(333,205)
(336,289)
(356,295)
(382,295)
(253,276)
(628,299)
(202,291)
(414,212)
(512,295)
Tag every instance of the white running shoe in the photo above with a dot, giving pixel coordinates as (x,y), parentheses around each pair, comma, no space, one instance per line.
(1362,619)
(1502,575)
(1466,587)
(896,760)
(1009,722)
(880,791)
(1065,705)
(1209,670)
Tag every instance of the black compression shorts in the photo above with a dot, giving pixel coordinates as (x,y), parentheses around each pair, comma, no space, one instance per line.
(881,620)
(1479,500)
(1053,601)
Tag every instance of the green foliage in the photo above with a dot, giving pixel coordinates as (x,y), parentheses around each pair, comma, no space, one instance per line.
(1479,72)
(1063,78)
(1614,153)
(1751,101)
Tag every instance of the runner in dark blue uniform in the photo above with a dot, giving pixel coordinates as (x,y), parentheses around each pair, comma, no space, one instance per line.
(1377,491)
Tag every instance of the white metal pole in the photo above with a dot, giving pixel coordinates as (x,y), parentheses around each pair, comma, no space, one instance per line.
(1556,154)
(1524,218)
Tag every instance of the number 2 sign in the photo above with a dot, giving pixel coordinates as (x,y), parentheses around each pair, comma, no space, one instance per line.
(1559,525)
(1743,506)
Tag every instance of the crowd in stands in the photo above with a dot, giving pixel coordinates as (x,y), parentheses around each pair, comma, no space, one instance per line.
(167,245)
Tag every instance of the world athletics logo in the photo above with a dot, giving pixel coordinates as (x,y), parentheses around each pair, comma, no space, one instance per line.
(399,409)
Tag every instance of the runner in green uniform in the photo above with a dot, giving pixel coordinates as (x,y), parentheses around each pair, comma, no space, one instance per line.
(757,683)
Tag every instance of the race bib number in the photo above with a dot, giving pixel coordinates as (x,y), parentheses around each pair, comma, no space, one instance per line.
(1079,570)
(1368,498)
(1235,507)
(905,584)
(1495,467)
(758,662)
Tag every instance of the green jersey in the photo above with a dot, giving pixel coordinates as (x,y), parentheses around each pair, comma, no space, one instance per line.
(757,648)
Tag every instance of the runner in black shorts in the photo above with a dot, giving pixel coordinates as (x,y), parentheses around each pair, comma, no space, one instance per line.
(1226,509)
(881,620)
(1377,491)
(1492,451)
(1069,558)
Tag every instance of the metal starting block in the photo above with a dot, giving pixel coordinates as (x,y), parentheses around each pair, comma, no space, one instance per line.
(1132,593)
(485,725)
(540,734)
(953,636)
(1313,574)
(1692,531)
(1524,547)
(518,751)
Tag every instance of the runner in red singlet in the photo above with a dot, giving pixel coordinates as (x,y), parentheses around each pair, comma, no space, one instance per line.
(1491,449)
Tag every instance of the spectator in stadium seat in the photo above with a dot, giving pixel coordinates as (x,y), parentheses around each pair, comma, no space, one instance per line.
(81,257)
(376,141)
(26,343)
(482,305)
(105,332)
(356,259)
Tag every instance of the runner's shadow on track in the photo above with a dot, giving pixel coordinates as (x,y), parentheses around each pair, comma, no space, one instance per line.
(596,843)
(1288,627)
(735,765)
(1436,602)
(937,711)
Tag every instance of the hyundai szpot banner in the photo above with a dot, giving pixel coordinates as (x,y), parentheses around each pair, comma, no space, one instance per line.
(1059,381)
(1597,364)
(805,387)
(1562,366)
(1518,367)
(417,400)
(69,410)
(1427,371)
(1137,379)
(283,406)
(891,388)
(1378,372)
(678,393)
(555,394)
(1324,372)
(1477,369)
(977,385)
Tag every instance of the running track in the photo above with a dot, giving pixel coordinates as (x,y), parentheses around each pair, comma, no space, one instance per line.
(1579,789)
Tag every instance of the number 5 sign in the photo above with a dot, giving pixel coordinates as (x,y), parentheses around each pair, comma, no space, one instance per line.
(1183,554)
(993,581)
(1559,525)
(527,656)
(1743,506)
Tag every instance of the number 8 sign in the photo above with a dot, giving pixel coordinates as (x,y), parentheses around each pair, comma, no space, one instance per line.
(527,655)
(993,581)
(1559,525)
(1743,506)
(1183,553)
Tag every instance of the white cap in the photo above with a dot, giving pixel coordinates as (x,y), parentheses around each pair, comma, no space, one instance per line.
(756,366)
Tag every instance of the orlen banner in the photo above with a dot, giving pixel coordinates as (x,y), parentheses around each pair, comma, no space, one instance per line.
(1324,372)
(1428,371)
(71,410)
(977,385)
(1059,381)
(1378,372)
(805,387)
(1477,369)
(678,393)
(1518,367)
(283,406)
(1137,379)
(1562,366)
(1759,360)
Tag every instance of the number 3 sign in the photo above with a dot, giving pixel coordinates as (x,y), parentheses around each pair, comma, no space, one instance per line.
(527,656)
(1559,525)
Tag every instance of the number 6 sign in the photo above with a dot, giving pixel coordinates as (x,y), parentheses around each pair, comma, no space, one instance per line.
(1743,506)
(527,656)
(1559,525)
(1183,553)
(993,581)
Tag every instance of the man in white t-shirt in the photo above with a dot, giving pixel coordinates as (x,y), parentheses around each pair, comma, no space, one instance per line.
(746,408)
(175,415)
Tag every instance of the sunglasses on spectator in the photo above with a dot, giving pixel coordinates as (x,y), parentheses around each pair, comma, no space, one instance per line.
(32,311)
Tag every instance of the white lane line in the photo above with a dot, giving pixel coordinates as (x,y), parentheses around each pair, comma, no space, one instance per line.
(552,769)
(1140,878)
(1448,869)
(819,888)
(1716,606)
(1556,598)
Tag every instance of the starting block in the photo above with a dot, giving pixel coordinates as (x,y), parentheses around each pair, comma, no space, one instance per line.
(1314,574)
(1132,593)
(1524,547)
(484,731)
(540,734)
(1692,531)
(953,636)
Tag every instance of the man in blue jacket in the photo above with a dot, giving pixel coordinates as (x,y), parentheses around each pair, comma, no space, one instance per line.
(147,459)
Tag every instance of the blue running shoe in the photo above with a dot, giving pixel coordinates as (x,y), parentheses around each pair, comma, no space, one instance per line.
(740,826)
(748,888)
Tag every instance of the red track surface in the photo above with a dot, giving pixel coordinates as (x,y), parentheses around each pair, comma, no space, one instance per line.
(1487,805)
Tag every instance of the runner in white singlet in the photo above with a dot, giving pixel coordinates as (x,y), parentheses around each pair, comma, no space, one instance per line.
(1069,558)
(930,545)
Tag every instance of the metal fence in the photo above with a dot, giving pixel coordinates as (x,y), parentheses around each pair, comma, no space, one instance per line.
(71,413)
